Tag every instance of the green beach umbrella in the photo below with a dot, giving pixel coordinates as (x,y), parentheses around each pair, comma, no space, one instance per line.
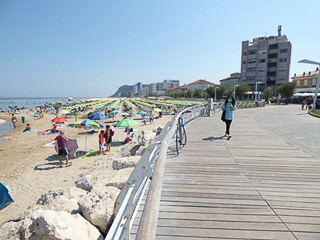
(127,123)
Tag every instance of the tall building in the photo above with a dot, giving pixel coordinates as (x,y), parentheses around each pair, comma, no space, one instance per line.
(266,60)
(231,81)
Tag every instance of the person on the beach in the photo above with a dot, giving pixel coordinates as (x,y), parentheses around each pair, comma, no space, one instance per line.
(14,120)
(62,147)
(151,117)
(52,130)
(28,128)
(144,119)
(101,142)
(229,106)
(108,137)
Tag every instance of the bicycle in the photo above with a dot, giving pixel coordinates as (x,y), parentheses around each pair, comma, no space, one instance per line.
(181,136)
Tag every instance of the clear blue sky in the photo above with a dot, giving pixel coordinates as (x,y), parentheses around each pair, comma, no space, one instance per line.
(87,48)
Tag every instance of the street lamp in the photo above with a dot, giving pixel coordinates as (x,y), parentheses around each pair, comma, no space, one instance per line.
(318,82)
(255,95)
(215,94)
(234,91)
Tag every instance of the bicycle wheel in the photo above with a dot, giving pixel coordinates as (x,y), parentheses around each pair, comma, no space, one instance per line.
(183,136)
(178,141)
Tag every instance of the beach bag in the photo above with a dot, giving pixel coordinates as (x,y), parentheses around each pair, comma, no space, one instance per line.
(112,133)
(223,116)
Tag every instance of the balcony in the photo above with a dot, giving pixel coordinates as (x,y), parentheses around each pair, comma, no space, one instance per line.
(272,55)
(274,64)
(270,74)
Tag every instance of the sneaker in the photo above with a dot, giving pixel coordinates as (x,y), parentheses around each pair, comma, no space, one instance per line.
(227,135)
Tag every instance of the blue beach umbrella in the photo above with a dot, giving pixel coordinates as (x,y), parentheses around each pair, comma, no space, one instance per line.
(97,116)
(142,113)
(115,111)
(86,124)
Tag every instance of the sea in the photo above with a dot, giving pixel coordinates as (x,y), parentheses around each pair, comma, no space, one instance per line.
(28,102)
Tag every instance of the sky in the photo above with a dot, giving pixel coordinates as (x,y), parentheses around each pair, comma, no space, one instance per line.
(84,48)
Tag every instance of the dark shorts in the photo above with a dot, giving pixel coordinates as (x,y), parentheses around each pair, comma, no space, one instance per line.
(109,140)
(62,152)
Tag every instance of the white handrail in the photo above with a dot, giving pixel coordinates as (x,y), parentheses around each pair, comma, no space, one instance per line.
(130,197)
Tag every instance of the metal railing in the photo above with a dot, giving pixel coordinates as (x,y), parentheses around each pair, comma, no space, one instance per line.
(150,166)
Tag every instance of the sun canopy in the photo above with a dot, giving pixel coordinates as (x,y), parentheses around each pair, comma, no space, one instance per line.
(5,198)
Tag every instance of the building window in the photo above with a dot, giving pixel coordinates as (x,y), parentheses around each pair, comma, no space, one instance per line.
(245,53)
(283,50)
(251,79)
(261,69)
(252,52)
(251,69)
(314,81)
(262,60)
(283,59)
(244,62)
(282,69)
(253,60)
(281,78)
(262,51)
(273,46)
(305,82)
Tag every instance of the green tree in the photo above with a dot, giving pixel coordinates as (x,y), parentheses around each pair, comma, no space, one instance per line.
(221,90)
(197,93)
(241,90)
(189,94)
(287,90)
(210,92)
(229,91)
(268,92)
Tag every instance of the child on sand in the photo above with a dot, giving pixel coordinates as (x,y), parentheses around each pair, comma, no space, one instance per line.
(101,142)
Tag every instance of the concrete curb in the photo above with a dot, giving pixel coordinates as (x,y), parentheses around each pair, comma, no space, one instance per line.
(313,114)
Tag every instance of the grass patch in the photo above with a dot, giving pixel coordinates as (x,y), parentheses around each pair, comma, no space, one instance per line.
(317,112)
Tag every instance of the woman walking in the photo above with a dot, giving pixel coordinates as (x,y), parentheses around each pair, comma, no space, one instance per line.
(228,106)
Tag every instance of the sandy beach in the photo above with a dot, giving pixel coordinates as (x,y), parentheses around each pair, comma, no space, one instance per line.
(31,169)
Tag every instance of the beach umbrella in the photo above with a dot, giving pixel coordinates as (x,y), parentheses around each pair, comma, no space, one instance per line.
(127,123)
(97,116)
(59,120)
(64,112)
(157,110)
(115,111)
(2,121)
(86,124)
(142,113)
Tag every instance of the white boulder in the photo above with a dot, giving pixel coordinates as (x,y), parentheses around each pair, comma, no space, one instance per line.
(51,225)
(107,177)
(10,230)
(97,206)
(86,182)
(63,200)
(125,162)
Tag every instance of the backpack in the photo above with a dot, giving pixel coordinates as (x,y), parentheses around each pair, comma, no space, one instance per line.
(112,132)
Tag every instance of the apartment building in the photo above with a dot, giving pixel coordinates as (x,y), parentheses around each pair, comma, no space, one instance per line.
(306,82)
(231,81)
(265,61)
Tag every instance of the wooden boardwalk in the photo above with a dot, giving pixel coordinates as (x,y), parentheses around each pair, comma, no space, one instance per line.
(254,186)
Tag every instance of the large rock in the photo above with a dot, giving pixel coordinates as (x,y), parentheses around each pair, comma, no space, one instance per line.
(97,206)
(114,178)
(63,200)
(125,162)
(158,130)
(51,225)
(86,182)
(10,231)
